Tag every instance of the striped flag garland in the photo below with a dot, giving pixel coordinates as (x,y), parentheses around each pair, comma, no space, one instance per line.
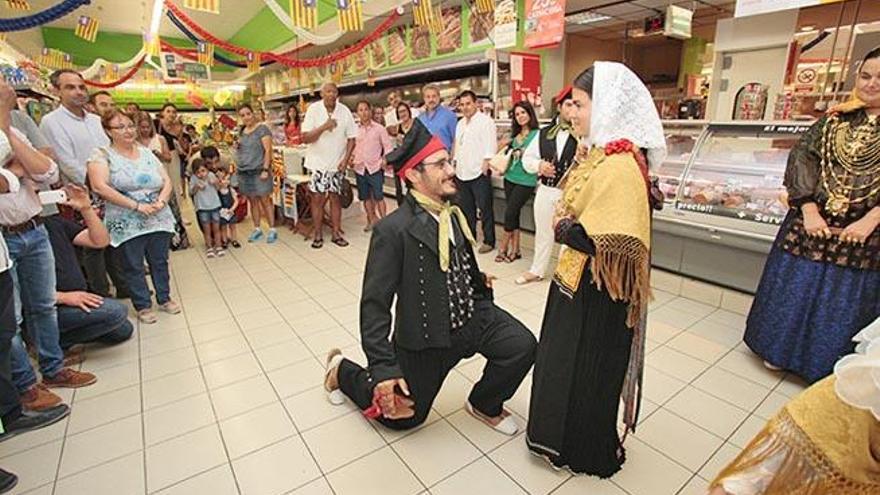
(51,58)
(212,6)
(423,12)
(66,61)
(206,53)
(151,45)
(18,4)
(253,62)
(86,28)
(485,6)
(304,13)
(351,16)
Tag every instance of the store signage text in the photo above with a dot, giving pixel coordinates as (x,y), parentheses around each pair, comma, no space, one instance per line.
(545,23)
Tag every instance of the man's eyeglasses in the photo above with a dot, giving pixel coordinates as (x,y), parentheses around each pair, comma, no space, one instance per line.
(442,163)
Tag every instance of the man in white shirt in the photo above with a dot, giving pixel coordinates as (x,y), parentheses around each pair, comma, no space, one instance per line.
(550,156)
(330,131)
(74,134)
(475,144)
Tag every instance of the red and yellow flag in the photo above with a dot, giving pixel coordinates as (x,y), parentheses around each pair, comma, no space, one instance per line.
(212,6)
(304,13)
(18,4)
(86,28)
(205,51)
(351,16)
(485,6)
(423,12)
(253,61)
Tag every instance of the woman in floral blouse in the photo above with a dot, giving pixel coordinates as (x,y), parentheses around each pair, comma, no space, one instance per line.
(136,187)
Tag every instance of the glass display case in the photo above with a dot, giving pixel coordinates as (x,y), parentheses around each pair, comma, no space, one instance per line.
(682,137)
(725,198)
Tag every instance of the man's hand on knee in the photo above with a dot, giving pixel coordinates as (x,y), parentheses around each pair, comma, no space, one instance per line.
(390,402)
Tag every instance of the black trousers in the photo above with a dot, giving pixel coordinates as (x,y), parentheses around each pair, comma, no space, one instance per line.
(507,344)
(473,195)
(10,406)
(97,264)
(516,195)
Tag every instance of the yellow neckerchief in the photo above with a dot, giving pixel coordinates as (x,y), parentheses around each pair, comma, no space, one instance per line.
(558,127)
(445,212)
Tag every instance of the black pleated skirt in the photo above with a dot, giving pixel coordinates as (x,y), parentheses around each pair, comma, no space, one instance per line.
(580,367)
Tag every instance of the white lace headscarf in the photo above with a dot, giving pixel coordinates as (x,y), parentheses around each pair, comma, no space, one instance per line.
(858,375)
(623,109)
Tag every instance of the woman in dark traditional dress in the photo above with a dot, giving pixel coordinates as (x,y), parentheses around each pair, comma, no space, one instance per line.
(591,352)
(821,283)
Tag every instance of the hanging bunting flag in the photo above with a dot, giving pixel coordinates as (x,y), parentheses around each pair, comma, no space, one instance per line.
(151,45)
(2,36)
(52,58)
(253,62)
(423,12)
(18,4)
(351,17)
(304,13)
(86,28)
(485,6)
(206,53)
(67,61)
(112,73)
(371,77)
(212,6)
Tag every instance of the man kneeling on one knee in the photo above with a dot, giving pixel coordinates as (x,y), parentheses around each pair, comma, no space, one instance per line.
(83,317)
(422,255)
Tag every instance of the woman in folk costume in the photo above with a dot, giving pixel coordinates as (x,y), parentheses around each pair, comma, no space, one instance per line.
(591,351)
(821,282)
(825,441)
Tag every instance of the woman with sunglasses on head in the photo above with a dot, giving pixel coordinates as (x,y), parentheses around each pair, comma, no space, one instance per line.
(591,352)
(137,189)
(519,183)
(821,283)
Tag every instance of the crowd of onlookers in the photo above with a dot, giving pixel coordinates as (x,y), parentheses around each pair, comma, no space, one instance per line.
(338,141)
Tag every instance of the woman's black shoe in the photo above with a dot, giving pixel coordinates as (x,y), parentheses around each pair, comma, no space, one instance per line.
(34,420)
(7,481)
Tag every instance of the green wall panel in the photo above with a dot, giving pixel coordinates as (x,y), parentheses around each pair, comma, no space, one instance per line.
(115,47)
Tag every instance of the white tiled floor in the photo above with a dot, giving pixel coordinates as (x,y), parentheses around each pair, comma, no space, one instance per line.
(226,397)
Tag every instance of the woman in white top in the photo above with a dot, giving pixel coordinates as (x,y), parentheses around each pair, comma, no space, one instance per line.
(155,142)
(148,138)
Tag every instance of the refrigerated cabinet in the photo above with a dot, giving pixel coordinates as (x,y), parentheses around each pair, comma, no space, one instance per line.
(724,199)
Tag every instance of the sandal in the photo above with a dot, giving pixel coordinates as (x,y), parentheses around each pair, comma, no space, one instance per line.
(528,278)
(339,241)
(501,258)
(318,243)
(512,258)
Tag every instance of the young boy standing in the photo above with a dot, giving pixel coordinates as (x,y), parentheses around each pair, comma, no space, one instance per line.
(206,201)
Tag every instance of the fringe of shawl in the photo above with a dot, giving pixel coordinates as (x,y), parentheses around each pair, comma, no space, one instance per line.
(803,468)
(621,267)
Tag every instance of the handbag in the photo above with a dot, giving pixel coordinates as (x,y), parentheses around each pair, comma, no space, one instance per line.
(500,161)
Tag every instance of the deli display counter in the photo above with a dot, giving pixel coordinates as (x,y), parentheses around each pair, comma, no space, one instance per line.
(724,199)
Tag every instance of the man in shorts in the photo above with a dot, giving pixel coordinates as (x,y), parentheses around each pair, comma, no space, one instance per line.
(371,146)
(329,130)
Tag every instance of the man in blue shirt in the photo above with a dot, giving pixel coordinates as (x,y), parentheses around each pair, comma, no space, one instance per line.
(440,120)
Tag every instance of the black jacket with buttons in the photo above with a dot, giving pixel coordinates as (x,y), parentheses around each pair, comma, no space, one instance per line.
(403,261)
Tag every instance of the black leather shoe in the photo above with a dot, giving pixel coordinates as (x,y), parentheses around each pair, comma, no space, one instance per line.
(7,481)
(34,420)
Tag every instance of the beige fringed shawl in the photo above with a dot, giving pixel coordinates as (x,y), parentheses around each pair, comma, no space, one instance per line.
(816,445)
(607,195)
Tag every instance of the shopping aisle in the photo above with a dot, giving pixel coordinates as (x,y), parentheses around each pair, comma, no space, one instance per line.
(226,397)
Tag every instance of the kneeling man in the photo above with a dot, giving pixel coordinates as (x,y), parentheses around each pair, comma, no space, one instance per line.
(422,255)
